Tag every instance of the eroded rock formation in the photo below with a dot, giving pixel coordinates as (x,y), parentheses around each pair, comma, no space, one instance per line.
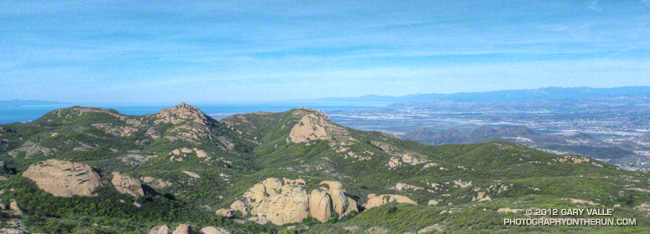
(376,201)
(286,201)
(315,125)
(127,185)
(190,123)
(164,229)
(64,178)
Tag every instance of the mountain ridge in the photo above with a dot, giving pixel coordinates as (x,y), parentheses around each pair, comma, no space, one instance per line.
(243,172)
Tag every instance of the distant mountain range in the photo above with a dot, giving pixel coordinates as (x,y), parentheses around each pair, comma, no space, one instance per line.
(549,93)
(580,143)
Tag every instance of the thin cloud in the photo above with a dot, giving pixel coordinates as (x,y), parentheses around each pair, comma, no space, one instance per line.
(593,4)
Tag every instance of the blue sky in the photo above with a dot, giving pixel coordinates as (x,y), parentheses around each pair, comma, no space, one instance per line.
(226,51)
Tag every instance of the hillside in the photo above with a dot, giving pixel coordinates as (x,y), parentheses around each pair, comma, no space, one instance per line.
(581,143)
(96,170)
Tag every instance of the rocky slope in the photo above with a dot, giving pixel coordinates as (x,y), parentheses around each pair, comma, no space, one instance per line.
(95,170)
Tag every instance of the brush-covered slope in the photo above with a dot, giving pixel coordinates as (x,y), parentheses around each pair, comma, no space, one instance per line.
(266,172)
(627,156)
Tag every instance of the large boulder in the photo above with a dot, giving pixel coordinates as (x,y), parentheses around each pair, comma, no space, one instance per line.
(272,185)
(320,205)
(339,200)
(213,230)
(64,178)
(182,229)
(127,185)
(164,229)
(376,201)
(353,206)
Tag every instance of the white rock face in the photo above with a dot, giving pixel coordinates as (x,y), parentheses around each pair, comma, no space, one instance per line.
(127,185)
(64,178)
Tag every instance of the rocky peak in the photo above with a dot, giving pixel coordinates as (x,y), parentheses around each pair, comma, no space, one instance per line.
(182,113)
(300,112)
(315,125)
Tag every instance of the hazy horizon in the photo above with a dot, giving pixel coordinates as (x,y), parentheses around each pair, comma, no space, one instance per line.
(117,52)
(298,101)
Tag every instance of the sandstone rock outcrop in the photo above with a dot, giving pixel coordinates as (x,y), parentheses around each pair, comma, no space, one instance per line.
(164,229)
(30,148)
(182,229)
(192,174)
(127,185)
(213,230)
(288,206)
(181,113)
(190,123)
(320,205)
(64,178)
(155,182)
(286,201)
(314,125)
(376,201)
(339,200)
(225,212)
